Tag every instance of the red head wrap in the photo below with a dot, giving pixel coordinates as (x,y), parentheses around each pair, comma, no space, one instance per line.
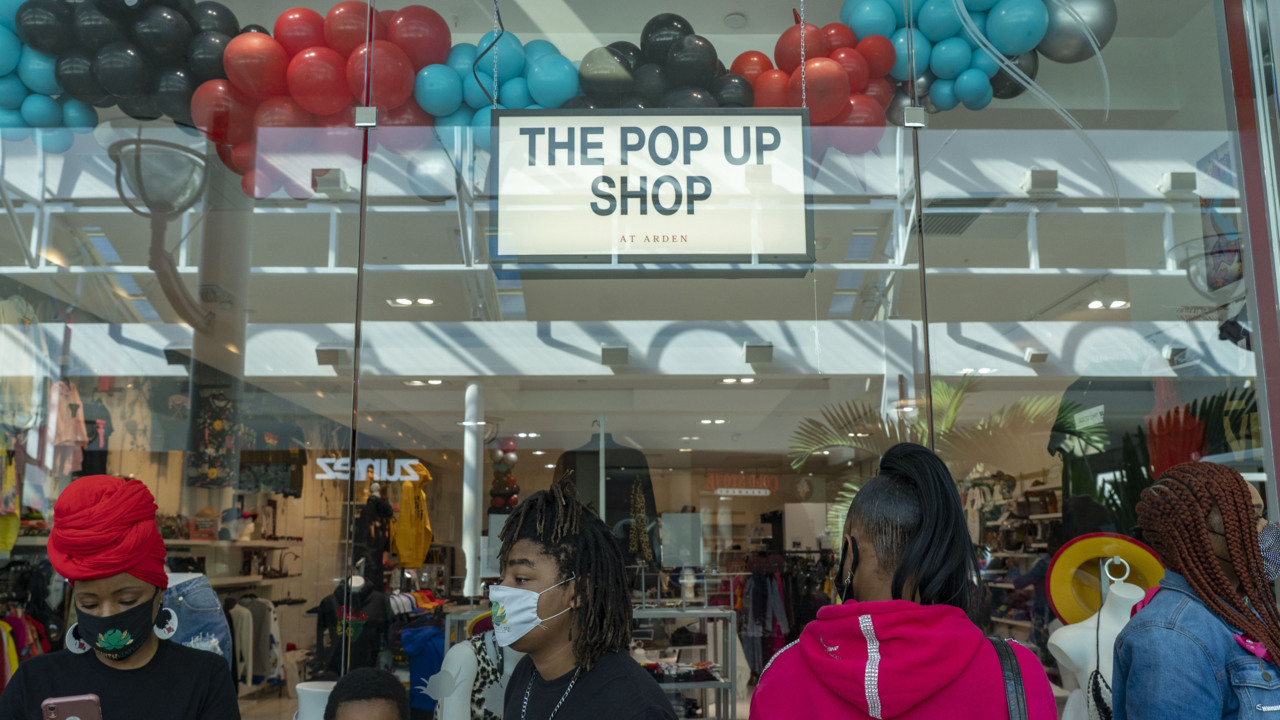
(104,526)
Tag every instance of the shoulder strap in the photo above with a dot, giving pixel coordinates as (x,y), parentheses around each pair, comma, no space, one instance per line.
(1014,692)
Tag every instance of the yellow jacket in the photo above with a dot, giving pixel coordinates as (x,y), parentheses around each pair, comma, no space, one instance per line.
(411,537)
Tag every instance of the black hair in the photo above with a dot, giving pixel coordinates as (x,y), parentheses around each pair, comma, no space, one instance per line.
(368,684)
(911,511)
(584,549)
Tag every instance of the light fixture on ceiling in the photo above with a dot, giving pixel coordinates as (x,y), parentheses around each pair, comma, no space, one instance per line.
(719,421)
(986,371)
(539,452)
(1040,181)
(966,371)
(1035,355)
(400,302)
(859,434)
(534,435)
(826,452)
(735,20)
(426,301)
(414,383)
(705,421)
(550,466)
(686,449)
(729,381)
(1177,184)
(522,435)
(1119,304)
(467,423)
(1096,304)
(747,381)
(758,353)
(435,382)
(614,355)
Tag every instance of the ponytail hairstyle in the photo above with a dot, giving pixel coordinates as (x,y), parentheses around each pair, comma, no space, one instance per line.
(911,512)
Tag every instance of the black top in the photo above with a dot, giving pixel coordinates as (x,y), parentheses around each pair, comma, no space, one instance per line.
(616,688)
(179,682)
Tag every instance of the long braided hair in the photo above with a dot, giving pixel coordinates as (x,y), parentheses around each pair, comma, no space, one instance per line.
(1173,515)
(582,546)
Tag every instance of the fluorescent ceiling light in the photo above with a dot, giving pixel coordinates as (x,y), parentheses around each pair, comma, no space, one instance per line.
(1096,305)
(426,301)
(720,422)
(435,382)
(729,381)
(747,381)
(400,302)
(706,422)
(1119,304)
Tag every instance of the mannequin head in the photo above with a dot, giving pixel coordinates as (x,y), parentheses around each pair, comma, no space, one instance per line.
(367,694)
(554,545)
(905,536)
(1204,519)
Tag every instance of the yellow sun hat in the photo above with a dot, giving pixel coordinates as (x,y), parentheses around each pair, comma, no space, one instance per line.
(1074,573)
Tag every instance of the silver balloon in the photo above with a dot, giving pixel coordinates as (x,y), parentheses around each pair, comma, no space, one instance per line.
(929,107)
(924,83)
(509,458)
(1065,40)
(497,456)
(897,105)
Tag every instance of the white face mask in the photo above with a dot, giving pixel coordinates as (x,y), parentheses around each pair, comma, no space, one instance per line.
(515,611)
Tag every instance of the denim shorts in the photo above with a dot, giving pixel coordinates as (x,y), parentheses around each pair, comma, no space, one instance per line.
(201,623)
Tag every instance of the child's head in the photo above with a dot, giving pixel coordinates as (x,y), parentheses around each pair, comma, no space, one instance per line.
(367,694)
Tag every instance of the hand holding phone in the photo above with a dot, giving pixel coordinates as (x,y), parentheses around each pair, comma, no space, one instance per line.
(75,707)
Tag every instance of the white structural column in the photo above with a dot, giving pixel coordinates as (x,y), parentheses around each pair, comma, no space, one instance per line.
(472,482)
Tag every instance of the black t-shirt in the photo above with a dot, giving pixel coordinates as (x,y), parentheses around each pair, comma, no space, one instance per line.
(179,682)
(616,688)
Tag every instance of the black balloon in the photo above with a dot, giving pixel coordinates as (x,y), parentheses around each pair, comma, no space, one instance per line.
(186,7)
(691,61)
(122,8)
(733,91)
(1004,86)
(142,107)
(633,102)
(163,33)
(45,25)
(629,50)
(603,72)
(75,74)
(216,17)
(651,83)
(659,34)
(93,29)
(721,70)
(204,56)
(123,70)
(580,102)
(174,88)
(689,97)
(254,28)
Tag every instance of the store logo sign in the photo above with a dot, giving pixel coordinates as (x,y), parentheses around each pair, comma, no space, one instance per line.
(377,469)
(693,186)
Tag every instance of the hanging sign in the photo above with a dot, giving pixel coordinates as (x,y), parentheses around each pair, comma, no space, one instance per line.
(708,186)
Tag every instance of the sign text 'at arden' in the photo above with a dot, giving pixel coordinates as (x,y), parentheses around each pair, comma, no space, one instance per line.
(669,186)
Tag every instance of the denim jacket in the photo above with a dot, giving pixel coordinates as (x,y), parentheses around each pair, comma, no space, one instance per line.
(1177,660)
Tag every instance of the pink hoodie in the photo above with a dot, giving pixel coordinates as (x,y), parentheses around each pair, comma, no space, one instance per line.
(894,659)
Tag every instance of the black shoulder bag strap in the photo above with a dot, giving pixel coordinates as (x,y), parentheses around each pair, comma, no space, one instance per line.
(1014,692)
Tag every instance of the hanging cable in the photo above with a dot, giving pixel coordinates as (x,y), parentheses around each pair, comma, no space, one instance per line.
(499,29)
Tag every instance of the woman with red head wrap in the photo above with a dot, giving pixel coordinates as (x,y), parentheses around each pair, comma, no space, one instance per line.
(105,541)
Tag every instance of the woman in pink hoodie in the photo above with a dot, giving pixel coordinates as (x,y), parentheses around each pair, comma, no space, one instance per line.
(901,646)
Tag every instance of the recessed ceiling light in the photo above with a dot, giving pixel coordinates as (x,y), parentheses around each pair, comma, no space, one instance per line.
(826,452)
(862,434)
(966,371)
(686,449)
(729,381)
(539,452)
(400,302)
(735,20)
(907,408)
(319,394)
(414,383)
(550,466)
(706,422)
(435,382)
(1119,304)
(465,423)
(1096,305)
(986,371)
(747,381)
(426,301)
(534,435)
(721,422)
(522,435)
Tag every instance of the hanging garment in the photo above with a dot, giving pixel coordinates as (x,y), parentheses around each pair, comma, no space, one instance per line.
(412,536)
(67,429)
(97,422)
(213,461)
(425,647)
(372,538)
(242,639)
(628,506)
(24,355)
(9,486)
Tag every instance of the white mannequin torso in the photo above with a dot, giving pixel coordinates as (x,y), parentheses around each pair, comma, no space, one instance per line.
(1076,647)
(451,687)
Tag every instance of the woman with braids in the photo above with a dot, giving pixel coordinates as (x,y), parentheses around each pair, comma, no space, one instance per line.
(564,602)
(1205,644)
(902,645)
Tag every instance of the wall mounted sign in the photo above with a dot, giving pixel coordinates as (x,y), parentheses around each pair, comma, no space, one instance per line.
(689,186)
(375,469)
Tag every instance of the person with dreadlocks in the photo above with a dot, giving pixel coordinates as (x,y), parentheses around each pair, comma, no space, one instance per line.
(902,644)
(564,602)
(1204,643)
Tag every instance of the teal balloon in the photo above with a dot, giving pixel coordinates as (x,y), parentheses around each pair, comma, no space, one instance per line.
(12,127)
(553,81)
(869,17)
(515,94)
(943,95)
(37,72)
(1016,26)
(535,49)
(12,92)
(41,111)
(9,14)
(481,127)
(979,5)
(900,12)
(984,62)
(982,101)
(473,93)
(438,90)
(509,51)
(55,140)
(80,117)
(938,20)
(10,51)
(445,127)
(971,85)
(980,20)
(461,58)
(921,49)
(950,58)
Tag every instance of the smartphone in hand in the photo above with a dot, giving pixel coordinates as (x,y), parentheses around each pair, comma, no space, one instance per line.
(75,707)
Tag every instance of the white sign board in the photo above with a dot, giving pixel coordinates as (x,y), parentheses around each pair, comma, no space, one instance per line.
(713,186)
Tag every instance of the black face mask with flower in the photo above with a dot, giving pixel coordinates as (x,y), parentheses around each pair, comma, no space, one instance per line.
(118,636)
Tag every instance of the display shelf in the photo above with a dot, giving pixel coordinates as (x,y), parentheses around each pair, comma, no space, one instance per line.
(1003,586)
(1015,554)
(32,541)
(234,580)
(1040,546)
(278,580)
(707,685)
(1046,516)
(242,544)
(1013,623)
(720,625)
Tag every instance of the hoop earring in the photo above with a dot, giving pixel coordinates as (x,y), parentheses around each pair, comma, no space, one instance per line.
(166,624)
(74,643)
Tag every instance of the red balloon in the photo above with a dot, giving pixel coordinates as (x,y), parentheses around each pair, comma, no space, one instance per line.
(861,125)
(751,64)
(838,36)
(513,501)
(390,71)
(385,16)
(498,502)
(422,34)
(404,129)
(222,113)
(771,89)
(244,156)
(347,24)
(855,66)
(282,112)
(224,153)
(786,53)
(259,183)
(826,89)
(255,63)
(879,53)
(507,444)
(317,79)
(881,90)
(299,29)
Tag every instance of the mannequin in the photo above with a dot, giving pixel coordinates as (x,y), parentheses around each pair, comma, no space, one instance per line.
(458,678)
(628,493)
(1076,647)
